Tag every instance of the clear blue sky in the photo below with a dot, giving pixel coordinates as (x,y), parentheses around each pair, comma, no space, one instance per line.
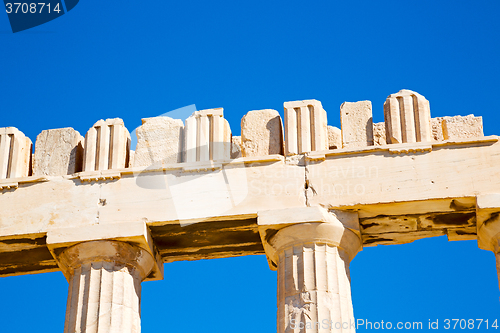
(136,59)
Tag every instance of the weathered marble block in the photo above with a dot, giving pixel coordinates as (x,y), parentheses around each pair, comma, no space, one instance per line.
(261,133)
(107,146)
(305,127)
(15,153)
(159,139)
(379,136)
(458,127)
(236,147)
(357,124)
(407,118)
(58,152)
(437,129)
(334,138)
(207,136)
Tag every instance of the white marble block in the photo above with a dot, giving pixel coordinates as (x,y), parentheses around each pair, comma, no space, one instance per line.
(437,129)
(159,139)
(334,138)
(357,124)
(407,118)
(207,136)
(15,153)
(379,137)
(305,127)
(58,152)
(107,146)
(458,127)
(236,147)
(261,133)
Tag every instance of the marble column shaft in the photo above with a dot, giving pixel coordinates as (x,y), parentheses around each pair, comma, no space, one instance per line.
(105,286)
(314,293)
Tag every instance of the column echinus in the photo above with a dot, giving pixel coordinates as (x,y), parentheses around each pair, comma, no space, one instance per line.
(207,137)
(105,263)
(311,248)
(407,118)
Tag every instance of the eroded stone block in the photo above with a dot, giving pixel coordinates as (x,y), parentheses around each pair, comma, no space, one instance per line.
(458,127)
(207,136)
(58,152)
(159,139)
(407,118)
(236,147)
(15,153)
(261,133)
(107,146)
(334,138)
(131,159)
(437,129)
(305,127)
(357,124)
(379,136)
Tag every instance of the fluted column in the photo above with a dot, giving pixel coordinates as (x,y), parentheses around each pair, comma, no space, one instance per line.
(314,293)
(105,286)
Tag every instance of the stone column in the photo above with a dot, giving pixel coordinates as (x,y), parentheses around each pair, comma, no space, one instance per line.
(312,259)
(105,286)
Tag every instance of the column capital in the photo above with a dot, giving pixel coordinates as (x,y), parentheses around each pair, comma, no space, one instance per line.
(284,228)
(135,234)
(120,253)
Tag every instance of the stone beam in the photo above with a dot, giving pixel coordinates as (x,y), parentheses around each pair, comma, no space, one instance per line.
(417,193)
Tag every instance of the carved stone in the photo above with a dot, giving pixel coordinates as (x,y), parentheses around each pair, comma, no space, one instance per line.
(437,129)
(407,118)
(313,276)
(399,193)
(305,127)
(261,133)
(105,286)
(379,136)
(357,124)
(107,146)
(159,139)
(207,136)
(58,152)
(458,127)
(312,259)
(334,138)
(15,153)
(236,147)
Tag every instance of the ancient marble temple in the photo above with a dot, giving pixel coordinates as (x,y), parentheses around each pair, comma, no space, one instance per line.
(89,206)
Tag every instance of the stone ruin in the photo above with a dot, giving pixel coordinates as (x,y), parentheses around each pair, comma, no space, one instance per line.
(307,195)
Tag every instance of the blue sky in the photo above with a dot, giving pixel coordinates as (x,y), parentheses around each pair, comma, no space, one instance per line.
(133,59)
